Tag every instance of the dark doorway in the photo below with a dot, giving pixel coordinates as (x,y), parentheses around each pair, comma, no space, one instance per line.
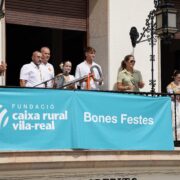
(21,41)
(170,61)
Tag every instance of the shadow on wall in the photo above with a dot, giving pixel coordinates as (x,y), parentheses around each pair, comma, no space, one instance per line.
(92,5)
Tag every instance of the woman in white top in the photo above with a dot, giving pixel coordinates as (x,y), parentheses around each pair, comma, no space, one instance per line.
(174,88)
(65,76)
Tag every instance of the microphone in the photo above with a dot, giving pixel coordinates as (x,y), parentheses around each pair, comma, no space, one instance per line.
(59,81)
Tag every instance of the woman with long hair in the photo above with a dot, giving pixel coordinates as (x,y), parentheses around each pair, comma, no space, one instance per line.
(174,88)
(129,79)
(64,77)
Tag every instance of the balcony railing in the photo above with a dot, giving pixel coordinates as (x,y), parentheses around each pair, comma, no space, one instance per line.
(175,108)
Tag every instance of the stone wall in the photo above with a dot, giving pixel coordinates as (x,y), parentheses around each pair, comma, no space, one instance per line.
(90,165)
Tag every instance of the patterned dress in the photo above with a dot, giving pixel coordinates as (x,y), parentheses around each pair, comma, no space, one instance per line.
(175,89)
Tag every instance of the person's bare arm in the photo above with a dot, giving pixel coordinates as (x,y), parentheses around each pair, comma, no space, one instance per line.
(3,67)
(141,84)
(23,83)
(122,87)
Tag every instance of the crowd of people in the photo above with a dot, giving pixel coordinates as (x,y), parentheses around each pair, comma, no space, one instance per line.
(40,73)
(88,76)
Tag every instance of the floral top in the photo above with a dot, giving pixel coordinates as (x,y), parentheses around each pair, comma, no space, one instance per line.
(173,88)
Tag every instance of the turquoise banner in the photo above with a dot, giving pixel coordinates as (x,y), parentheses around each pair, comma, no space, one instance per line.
(44,119)
(126,122)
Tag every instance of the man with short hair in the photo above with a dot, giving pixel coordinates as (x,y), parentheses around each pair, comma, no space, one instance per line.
(84,68)
(49,69)
(31,75)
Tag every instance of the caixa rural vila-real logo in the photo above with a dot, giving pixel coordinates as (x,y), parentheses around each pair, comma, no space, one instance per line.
(27,119)
(3,116)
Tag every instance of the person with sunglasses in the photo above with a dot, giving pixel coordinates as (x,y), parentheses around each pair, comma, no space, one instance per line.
(129,79)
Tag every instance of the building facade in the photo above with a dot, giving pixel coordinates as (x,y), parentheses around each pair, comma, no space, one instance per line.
(68,27)
(105,25)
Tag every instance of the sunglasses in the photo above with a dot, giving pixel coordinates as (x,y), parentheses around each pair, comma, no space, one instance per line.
(132,61)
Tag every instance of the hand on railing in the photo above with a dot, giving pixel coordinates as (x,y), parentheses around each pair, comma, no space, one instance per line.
(87,78)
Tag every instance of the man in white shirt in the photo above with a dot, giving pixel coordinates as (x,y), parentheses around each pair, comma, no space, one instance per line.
(31,74)
(84,68)
(49,74)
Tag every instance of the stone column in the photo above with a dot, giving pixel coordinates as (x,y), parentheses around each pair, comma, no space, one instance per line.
(3,48)
(98,34)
